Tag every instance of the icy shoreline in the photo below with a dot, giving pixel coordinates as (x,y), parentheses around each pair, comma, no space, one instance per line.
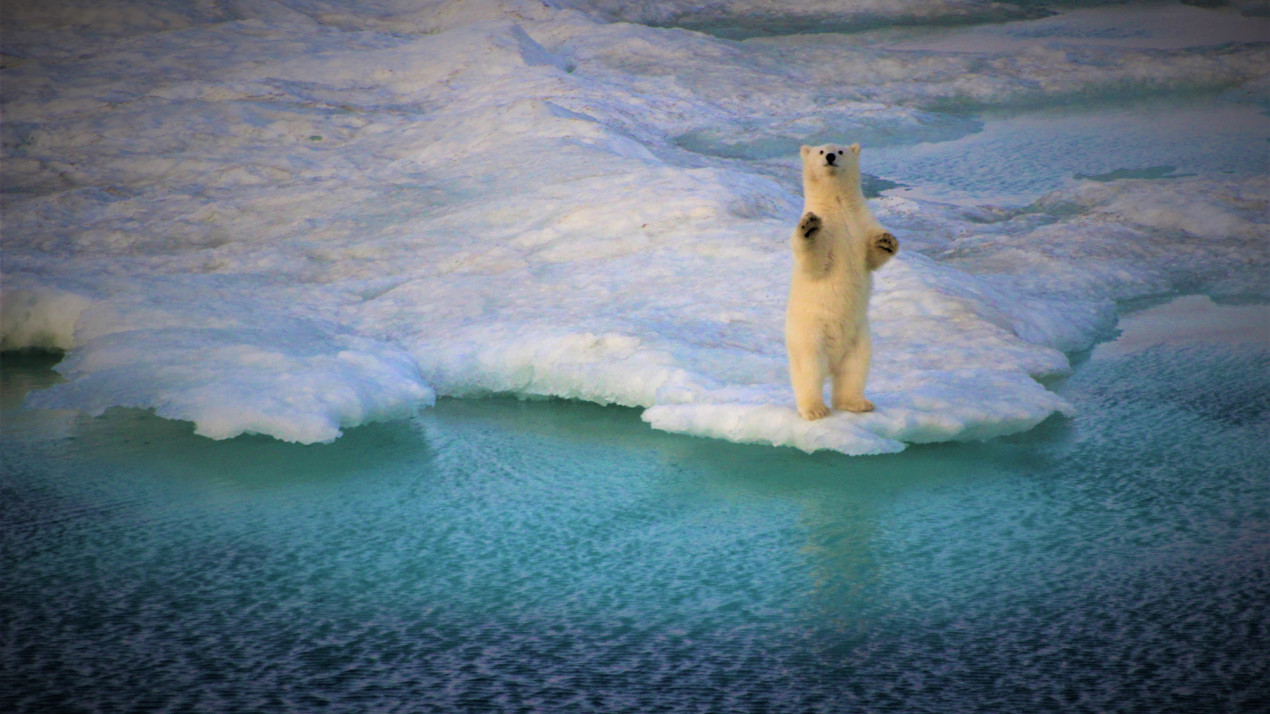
(303,218)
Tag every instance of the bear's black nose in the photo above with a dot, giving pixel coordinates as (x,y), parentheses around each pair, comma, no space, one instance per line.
(831,158)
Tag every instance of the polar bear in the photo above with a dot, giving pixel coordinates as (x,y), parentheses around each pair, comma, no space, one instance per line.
(837,245)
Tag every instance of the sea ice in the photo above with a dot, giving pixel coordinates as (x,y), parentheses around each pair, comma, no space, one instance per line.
(291,218)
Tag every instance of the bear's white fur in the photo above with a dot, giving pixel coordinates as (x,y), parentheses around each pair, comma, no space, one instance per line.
(837,245)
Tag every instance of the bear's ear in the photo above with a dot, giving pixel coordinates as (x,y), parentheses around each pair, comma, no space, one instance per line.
(855,149)
(803,151)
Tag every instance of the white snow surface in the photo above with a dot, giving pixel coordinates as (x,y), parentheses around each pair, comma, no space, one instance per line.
(292,217)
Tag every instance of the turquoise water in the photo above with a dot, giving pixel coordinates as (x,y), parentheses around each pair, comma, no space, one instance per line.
(552,556)
(1017,156)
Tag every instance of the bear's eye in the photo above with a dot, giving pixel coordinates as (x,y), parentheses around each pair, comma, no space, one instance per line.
(822,152)
(839,152)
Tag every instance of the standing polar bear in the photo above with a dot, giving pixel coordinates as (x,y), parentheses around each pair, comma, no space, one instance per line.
(837,246)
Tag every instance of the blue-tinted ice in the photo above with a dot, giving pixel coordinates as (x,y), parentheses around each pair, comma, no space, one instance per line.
(296,219)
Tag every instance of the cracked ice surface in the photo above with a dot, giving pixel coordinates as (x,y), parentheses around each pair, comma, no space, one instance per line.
(292,218)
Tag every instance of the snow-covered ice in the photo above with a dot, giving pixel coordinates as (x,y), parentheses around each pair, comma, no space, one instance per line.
(292,217)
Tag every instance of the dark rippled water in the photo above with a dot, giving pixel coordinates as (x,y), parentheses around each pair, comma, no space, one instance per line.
(508,556)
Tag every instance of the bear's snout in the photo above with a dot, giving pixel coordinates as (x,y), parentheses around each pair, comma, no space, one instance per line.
(831,157)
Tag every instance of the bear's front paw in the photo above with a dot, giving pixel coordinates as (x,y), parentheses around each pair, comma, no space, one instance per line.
(886,243)
(809,226)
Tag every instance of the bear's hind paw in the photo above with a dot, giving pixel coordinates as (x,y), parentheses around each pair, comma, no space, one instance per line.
(853,405)
(812,413)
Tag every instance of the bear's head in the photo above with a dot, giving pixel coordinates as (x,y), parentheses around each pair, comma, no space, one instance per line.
(830,162)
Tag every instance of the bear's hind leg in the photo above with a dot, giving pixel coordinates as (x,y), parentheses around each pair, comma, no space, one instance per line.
(807,376)
(850,373)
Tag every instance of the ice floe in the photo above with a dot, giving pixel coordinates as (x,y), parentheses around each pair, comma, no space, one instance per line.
(291,218)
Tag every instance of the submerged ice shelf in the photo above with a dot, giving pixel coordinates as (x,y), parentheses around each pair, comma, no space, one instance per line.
(291,222)
(1115,561)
